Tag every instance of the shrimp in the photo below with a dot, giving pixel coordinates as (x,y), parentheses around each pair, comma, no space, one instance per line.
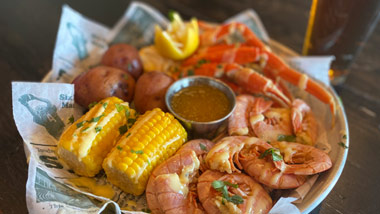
(238,121)
(245,153)
(254,198)
(264,169)
(200,147)
(304,123)
(268,123)
(171,187)
(225,152)
(302,159)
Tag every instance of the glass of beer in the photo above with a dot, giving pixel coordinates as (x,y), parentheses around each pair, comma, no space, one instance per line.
(340,28)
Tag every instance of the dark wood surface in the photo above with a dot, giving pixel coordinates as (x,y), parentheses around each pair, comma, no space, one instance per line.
(27,37)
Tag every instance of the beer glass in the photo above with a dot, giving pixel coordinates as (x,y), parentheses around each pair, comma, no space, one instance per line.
(340,28)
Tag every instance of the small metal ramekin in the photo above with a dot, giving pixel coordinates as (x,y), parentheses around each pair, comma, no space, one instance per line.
(200,129)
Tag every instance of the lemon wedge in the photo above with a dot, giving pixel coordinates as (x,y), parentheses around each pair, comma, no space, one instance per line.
(180,39)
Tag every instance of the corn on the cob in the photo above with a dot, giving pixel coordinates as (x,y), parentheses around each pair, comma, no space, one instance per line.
(85,144)
(152,139)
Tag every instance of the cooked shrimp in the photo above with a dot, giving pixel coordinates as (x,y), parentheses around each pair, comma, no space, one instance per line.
(169,188)
(302,159)
(245,153)
(238,121)
(254,199)
(200,147)
(304,123)
(264,170)
(222,156)
(268,123)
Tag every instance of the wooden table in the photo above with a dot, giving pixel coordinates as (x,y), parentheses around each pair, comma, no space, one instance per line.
(27,36)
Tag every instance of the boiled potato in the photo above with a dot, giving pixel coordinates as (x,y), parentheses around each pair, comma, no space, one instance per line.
(101,82)
(124,57)
(150,91)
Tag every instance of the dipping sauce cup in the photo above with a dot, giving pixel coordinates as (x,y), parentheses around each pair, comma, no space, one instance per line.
(198,129)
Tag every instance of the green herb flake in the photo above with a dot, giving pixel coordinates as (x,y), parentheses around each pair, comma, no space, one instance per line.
(127,113)
(131,121)
(96,119)
(105,105)
(71,120)
(203,147)
(171,14)
(129,134)
(85,129)
(343,145)
(146,210)
(139,152)
(236,199)
(119,148)
(219,66)
(276,156)
(288,138)
(148,162)
(123,129)
(221,186)
(345,137)
(80,124)
(190,72)
(98,129)
(92,105)
(119,107)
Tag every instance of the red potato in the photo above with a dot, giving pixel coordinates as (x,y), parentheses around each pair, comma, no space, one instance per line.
(150,91)
(102,82)
(124,57)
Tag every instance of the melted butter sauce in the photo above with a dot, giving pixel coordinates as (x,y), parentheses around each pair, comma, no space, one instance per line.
(105,191)
(201,103)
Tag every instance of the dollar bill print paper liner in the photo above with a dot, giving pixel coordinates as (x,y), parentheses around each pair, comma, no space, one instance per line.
(43,110)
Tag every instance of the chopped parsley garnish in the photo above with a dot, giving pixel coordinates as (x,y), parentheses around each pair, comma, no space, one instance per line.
(190,72)
(288,138)
(119,107)
(71,120)
(171,15)
(98,129)
(127,113)
(119,148)
(129,134)
(219,66)
(276,156)
(139,152)
(85,129)
(96,119)
(146,210)
(105,105)
(131,121)
(148,162)
(92,104)
(203,147)
(345,137)
(80,124)
(343,145)
(123,129)
(221,186)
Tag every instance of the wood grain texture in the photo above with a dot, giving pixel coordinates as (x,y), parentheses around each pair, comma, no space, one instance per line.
(27,37)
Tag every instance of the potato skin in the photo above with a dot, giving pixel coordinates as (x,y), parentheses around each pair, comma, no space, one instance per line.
(150,91)
(102,82)
(124,57)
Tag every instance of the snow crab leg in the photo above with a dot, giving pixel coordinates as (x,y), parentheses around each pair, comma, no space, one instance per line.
(272,65)
(222,34)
